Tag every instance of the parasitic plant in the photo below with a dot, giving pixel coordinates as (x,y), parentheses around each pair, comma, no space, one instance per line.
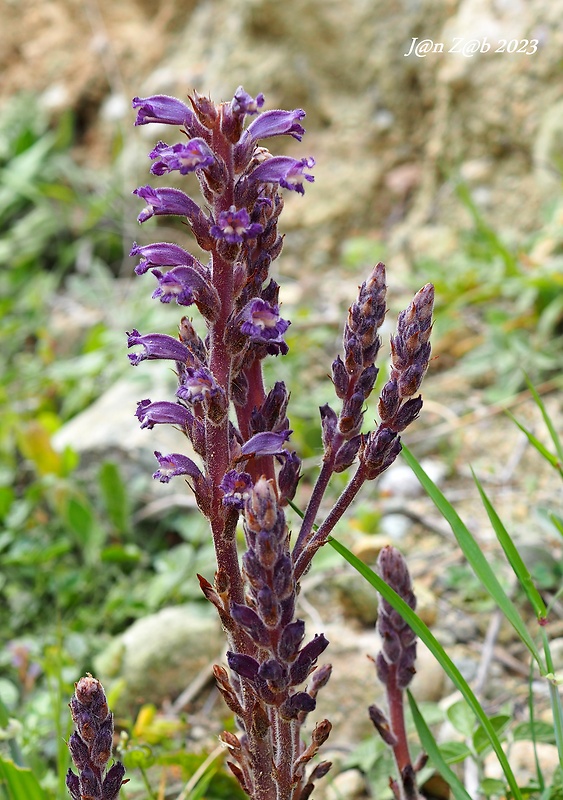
(91,745)
(240,430)
(395,669)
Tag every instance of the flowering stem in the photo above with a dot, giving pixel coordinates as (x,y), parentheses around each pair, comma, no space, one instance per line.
(395,700)
(320,536)
(312,509)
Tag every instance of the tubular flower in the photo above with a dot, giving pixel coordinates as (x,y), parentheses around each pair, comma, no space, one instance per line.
(234,226)
(165,201)
(288,172)
(161,412)
(162,108)
(156,346)
(262,323)
(163,254)
(184,157)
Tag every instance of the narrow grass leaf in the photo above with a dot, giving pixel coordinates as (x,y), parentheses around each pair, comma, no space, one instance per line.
(512,554)
(475,557)
(431,747)
(550,457)
(546,418)
(555,698)
(425,635)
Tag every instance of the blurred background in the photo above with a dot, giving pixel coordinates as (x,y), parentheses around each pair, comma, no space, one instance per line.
(447,166)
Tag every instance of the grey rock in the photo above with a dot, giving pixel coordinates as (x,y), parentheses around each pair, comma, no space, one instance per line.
(159,655)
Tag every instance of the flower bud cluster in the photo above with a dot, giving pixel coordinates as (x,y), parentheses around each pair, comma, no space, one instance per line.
(267,615)
(399,640)
(91,745)
(410,355)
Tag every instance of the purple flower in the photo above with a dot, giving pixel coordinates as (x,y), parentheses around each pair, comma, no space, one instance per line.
(265,444)
(175,464)
(243,103)
(235,226)
(286,171)
(161,412)
(166,201)
(163,254)
(236,488)
(184,156)
(162,108)
(156,345)
(183,284)
(262,322)
(277,123)
(198,385)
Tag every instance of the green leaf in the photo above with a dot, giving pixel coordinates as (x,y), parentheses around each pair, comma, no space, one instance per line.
(114,494)
(461,717)
(431,747)
(512,554)
(454,752)
(424,633)
(538,732)
(19,783)
(81,519)
(475,556)
(492,786)
(481,740)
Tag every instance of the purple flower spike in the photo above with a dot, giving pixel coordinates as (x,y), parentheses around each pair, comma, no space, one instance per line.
(165,201)
(162,108)
(184,157)
(163,254)
(277,123)
(156,345)
(161,412)
(242,103)
(175,464)
(286,171)
(234,226)
(265,444)
(236,488)
(262,322)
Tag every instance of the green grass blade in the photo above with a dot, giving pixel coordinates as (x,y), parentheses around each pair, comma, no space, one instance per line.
(550,457)
(430,746)
(512,554)
(474,556)
(19,783)
(555,698)
(426,636)
(546,418)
